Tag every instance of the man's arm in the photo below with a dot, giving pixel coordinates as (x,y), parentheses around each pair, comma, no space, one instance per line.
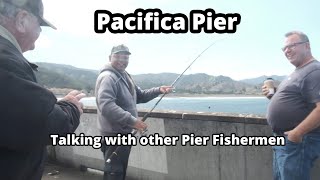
(64,117)
(144,96)
(312,121)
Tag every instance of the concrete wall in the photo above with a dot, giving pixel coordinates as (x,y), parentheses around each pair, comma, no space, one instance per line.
(185,162)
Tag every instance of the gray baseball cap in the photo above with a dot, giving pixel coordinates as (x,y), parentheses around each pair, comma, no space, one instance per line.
(33,6)
(120,48)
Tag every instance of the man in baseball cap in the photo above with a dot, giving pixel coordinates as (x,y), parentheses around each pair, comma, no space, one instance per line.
(116,98)
(29,113)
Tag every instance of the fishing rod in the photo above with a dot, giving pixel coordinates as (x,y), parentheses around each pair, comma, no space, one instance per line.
(115,152)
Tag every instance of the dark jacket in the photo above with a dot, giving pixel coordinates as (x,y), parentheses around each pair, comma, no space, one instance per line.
(116,98)
(29,113)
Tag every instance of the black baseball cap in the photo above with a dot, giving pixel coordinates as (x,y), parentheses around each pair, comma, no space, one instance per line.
(33,6)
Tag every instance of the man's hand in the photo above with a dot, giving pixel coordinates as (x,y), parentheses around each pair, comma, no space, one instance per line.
(311,122)
(166,89)
(265,91)
(74,97)
(140,125)
(294,136)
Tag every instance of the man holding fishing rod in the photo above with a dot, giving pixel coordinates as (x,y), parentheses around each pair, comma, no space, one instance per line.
(116,98)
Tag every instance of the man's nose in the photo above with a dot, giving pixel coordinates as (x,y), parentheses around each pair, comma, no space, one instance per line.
(287,50)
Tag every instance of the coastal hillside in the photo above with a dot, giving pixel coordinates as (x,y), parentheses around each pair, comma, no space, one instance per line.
(65,76)
(259,80)
(59,76)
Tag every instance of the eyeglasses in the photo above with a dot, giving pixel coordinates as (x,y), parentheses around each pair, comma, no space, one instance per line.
(292,46)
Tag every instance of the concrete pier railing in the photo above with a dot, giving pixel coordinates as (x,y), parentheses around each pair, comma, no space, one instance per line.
(217,162)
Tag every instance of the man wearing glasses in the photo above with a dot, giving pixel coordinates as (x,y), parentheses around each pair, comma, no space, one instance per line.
(294,112)
(116,98)
(29,113)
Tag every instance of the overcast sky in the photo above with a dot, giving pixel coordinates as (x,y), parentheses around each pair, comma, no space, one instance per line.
(254,50)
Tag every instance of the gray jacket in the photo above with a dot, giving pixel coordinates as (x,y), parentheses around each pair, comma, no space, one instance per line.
(116,98)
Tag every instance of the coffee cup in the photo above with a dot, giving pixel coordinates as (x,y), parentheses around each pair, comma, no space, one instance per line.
(269,83)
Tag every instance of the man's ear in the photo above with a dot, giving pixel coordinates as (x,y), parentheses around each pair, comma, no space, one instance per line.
(22,21)
(308,45)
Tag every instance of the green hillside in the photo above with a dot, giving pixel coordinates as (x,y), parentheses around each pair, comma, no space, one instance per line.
(66,76)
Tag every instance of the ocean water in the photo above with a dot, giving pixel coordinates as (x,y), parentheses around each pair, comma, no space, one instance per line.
(241,105)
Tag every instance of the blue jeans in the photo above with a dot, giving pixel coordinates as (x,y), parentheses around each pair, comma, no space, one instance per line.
(295,160)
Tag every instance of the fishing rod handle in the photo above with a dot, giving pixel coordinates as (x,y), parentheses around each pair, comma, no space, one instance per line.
(114,153)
